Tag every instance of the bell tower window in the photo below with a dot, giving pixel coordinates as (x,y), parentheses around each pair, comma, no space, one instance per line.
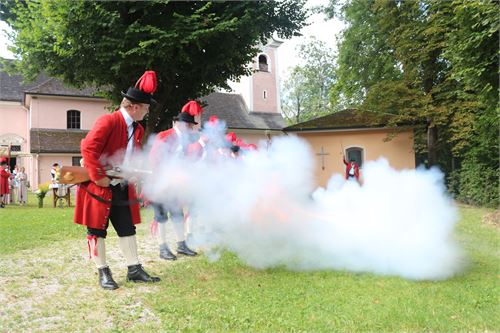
(263,65)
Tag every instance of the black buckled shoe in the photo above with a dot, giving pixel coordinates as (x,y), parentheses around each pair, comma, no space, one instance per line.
(183,249)
(166,254)
(106,279)
(137,274)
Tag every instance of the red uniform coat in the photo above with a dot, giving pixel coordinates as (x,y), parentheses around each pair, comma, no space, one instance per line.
(4,182)
(195,150)
(161,138)
(348,167)
(103,147)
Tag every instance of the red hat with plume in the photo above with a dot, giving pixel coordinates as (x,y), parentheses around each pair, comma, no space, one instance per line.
(143,90)
(213,121)
(251,146)
(190,110)
(231,137)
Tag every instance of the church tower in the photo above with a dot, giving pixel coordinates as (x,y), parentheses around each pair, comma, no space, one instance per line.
(260,91)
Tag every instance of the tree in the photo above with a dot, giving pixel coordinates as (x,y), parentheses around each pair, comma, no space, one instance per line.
(473,51)
(431,62)
(193,46)
(294,95)
(306,91)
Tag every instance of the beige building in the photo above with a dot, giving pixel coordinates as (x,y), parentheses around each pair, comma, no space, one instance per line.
(356,135)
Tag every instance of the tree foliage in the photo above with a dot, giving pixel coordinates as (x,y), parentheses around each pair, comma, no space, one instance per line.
(306,90)
(193,46)
(431,62)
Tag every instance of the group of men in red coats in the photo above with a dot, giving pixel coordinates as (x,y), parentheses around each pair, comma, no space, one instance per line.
(111,142)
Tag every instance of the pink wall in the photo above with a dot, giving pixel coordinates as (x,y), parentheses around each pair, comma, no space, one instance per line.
(13,118)
(50,111)
(14,130)
(265,81)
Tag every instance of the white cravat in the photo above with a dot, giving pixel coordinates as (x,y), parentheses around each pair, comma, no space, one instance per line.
(130,130)
(204,148)
(179,149)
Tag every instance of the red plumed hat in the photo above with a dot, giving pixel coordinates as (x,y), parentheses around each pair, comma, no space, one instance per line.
(212,122)
(3,160)
(147,82)
(251,146)
(193,108)
(231,137)
(143,90)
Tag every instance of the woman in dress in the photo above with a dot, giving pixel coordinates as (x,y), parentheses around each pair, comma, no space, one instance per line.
(22,190)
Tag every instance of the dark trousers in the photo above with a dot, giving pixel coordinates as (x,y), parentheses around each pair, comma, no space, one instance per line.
(119,214)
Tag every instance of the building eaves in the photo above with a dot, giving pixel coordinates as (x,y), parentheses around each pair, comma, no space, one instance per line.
(56,140)
(232,109)
(349,119)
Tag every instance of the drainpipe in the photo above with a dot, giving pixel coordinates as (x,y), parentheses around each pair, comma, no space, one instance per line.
(36,171)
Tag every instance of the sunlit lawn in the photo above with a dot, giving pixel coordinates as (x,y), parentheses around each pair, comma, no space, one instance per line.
(46,284)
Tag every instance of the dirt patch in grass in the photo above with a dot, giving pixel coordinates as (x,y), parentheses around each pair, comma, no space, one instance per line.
(56,288)
(492,219)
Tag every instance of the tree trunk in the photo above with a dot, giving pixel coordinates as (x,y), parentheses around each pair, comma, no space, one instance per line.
(155,114)
(298,110)
(432,137)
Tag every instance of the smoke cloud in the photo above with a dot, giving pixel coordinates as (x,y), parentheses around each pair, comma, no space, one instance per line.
(264,208)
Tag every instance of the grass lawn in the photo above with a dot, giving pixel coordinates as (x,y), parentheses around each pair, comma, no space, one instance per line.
(47,284)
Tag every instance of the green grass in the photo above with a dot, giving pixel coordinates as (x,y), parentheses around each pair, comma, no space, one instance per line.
(27,227)
(196,295)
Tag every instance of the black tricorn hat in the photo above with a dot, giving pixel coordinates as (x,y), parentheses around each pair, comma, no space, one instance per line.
(138,96)
(185,117)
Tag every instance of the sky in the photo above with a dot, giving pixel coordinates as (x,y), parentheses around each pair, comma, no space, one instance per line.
(326,31)
(287,55)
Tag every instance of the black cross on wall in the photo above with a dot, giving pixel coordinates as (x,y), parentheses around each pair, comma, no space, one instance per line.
(322,154)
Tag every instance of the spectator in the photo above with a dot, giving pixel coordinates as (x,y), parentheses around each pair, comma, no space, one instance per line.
(4,182)
(22,189)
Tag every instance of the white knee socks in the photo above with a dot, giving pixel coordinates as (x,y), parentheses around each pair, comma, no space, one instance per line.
(162,233)
(179,230)
(128,245)
(100,258)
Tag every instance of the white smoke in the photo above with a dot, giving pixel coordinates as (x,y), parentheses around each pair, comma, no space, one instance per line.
(263,207)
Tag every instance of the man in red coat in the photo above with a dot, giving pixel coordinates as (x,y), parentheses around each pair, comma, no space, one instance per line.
(351,169)
(4,180)
(174,142)
(109,143)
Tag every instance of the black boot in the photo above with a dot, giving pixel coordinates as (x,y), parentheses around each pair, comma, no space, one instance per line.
(166,254)
(137,274)
(183,249)
(106,279)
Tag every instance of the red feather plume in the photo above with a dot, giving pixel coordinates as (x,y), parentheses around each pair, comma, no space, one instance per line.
(192,108)
(147,82)
(251,146)
(231,137)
